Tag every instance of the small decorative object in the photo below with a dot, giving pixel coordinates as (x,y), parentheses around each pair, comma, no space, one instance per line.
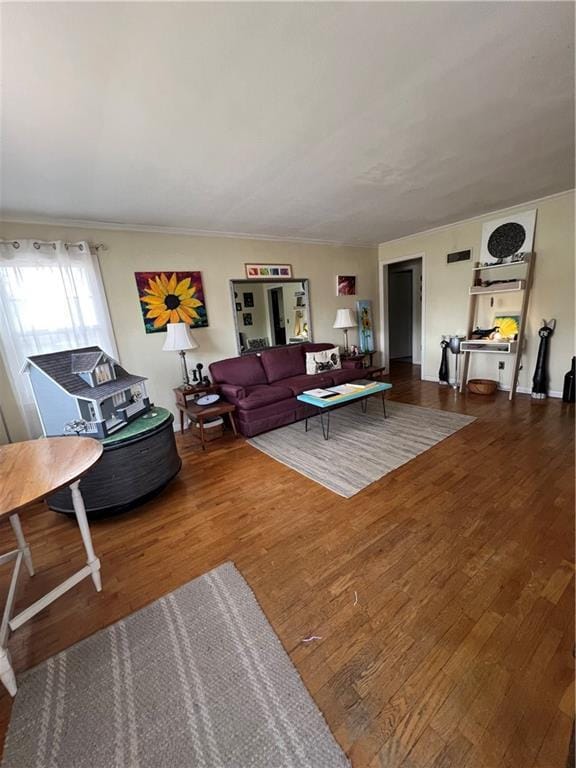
(366,335)
(482,386)
(238,307)
(345,319)
(346,285)
(454,344)
(483,333)
(540,379)
(569,390)
(267,271)
(199,368)
(258,343)
(248,299)
(443,373)
(353,350)
(508,325)
(503,239)
(208,399)
(247,318)
(76,426)
(176,297)
(179,339)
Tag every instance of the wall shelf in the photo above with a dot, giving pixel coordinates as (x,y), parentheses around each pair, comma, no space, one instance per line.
(499,347)
(479,268)
(518,285)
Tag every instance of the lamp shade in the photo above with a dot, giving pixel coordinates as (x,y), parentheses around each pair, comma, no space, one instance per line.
(345,318)
(178,338)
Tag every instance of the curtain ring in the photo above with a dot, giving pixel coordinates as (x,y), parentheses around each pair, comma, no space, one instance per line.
(36,245)
(15,244)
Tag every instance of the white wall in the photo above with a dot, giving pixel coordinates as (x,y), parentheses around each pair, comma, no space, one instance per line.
(446,287)
(220,260)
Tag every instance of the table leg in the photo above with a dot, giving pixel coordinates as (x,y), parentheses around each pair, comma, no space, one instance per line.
(325,427)
(306,425)
(202,440)
(233,424)
(384,403)
(7,675)
(364,404)
(22,543)
(80,512)
(181,422)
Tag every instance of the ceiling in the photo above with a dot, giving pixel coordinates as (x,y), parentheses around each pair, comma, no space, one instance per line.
(342,122)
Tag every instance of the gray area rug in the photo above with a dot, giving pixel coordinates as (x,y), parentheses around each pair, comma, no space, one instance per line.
(362,447)
(197,678)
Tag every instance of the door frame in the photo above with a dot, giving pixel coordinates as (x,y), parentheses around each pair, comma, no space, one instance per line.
(383,292)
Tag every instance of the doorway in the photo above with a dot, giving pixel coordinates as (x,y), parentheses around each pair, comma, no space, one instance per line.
(276,303)
(402,315)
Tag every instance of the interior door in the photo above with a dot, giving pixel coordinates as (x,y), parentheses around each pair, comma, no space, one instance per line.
(277,305)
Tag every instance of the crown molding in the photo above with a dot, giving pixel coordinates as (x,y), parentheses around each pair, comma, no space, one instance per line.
(187,231)
(479,217)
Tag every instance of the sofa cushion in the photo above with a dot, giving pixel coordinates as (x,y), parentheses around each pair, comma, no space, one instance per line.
(344,375)
(282,363)
(261,395)
(298,384)
(243,371)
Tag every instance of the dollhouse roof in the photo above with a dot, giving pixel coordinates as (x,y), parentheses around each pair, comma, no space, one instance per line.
(85,362)
(59,366)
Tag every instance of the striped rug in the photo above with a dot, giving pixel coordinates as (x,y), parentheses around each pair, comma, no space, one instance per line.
(363,447)
(196,679)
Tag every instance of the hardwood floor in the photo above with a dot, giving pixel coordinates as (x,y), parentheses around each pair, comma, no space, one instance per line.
(459,651)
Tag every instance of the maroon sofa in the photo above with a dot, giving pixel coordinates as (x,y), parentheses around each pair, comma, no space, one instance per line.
(263,386)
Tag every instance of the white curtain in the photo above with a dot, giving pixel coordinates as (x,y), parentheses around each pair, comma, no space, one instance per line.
(51,298)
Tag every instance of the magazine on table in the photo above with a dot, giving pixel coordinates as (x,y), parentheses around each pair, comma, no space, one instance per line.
(321,393)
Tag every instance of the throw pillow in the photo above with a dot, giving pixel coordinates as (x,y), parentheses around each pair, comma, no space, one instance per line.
(320,362)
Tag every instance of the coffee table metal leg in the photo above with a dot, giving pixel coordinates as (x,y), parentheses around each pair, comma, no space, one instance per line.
(306,424)
(364,404)
(384,403)
(325,427)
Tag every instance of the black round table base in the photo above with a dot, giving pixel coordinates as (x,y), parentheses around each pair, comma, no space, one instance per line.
(128,473)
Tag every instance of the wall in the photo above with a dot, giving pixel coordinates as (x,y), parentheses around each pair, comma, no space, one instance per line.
(446,288)
(219,260)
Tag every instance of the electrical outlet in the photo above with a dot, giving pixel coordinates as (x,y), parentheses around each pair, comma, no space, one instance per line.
(501,365)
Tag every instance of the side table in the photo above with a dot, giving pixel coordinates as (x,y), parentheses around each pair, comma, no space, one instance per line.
(185,394)
(202,413)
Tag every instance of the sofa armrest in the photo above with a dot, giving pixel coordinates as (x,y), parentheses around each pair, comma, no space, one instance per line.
(352,363)
(232,391)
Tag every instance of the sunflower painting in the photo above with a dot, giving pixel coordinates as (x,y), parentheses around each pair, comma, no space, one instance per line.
(171,297)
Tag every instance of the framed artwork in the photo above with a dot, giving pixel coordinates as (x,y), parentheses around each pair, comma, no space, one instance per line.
(259,271)
(346,285)
(248,299)
(247,318)
(503,239)
(509,325)
(238,307)
(171,297)
(365,325)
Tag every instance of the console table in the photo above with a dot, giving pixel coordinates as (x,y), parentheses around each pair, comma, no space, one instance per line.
(30,471)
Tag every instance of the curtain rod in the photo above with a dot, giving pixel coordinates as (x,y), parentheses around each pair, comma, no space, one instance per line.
(39,243)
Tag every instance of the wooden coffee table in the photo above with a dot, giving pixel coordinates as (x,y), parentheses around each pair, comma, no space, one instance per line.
(201,413)
(30,471)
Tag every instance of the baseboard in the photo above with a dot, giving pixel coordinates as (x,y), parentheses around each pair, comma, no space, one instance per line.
(502,387)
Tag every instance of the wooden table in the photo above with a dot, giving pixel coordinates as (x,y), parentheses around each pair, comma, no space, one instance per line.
(30,471)
(188,393)
(202,413)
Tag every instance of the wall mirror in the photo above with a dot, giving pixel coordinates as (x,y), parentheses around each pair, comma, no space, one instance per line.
(270,313)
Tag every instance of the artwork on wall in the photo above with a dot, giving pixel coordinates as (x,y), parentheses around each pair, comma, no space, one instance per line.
(346,285)
(503,239)
(247,318)
(508,325)
(248,299)
(365,325)
(238,307)
(171,297)
(259,271)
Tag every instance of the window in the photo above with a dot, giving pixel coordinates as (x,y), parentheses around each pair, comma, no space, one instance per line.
(118,399)
(51,298)
(103,373)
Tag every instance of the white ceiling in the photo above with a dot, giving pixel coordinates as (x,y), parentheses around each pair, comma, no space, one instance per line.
(344,122)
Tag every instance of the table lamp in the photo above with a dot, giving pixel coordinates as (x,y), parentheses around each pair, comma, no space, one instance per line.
(179,339)
(345,319)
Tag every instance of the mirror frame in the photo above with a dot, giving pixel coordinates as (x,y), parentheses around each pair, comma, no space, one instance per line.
(306,286)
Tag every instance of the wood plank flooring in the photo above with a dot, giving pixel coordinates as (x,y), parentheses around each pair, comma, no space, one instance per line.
(459,651)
